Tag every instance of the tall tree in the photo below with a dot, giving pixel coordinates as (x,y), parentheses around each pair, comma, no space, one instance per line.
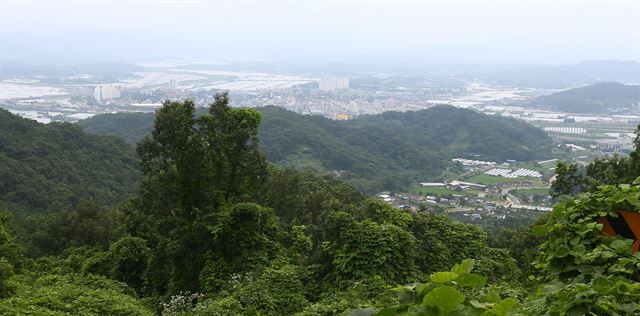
(231,136)
(193,169)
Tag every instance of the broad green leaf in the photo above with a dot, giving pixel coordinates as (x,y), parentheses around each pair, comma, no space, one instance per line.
(505,306)
(540,230)
(464,310)
(464,267)
(492,297)
(477,304)
(622,245)
(443,277)
(444,298)
(471,280)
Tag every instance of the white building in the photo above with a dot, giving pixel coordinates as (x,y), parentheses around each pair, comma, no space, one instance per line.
(456,183)
(433,184)
(102,93)
(334,83)
(173,85)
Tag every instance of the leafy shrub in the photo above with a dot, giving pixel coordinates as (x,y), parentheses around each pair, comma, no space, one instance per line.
(441,243)
(455,292)
(365,248)
(373,291)
(576,245)
(586,271)
(70,294)
(278,291)
(221,307)
(245,239)
(603,295)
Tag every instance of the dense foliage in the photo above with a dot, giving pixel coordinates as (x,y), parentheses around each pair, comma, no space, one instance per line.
(444,294)
(71,294)
(581,270)
(588,272)
(51,167)
(198,210)
(215,230)
(88,223)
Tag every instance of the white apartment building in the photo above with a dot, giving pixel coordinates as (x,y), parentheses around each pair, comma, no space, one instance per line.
(106,92)
(334,83)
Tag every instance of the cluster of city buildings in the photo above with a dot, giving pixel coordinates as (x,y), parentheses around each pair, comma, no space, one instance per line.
(106,92)
(333,84)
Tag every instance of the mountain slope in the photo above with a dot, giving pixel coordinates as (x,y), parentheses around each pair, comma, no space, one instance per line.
(50,167)
(130,126)
(595,98)
(376,152)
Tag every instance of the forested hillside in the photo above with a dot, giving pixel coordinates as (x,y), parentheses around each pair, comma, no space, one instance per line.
(133,127)
(595,98)
(51,167)
(377,152)
(390,150)
(217,230)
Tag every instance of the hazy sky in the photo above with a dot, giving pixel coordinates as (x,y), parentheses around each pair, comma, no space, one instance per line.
(430,31)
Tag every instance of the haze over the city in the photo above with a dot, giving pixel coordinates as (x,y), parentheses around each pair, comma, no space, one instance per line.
(377,32)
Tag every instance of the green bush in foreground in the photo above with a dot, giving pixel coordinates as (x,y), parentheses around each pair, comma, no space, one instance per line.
(583,271)
(71,294)
(455,292)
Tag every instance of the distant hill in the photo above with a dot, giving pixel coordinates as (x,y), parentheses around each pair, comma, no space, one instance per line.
(374,152)
(130,126)
(595,98)
(569,76)
(48,167)
(391,149)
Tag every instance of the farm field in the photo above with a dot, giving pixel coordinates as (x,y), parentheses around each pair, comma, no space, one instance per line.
(492,180)
(442,191)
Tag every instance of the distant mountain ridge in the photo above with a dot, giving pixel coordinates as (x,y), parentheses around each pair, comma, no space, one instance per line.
(596,98)
(570,76)
(374,152)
